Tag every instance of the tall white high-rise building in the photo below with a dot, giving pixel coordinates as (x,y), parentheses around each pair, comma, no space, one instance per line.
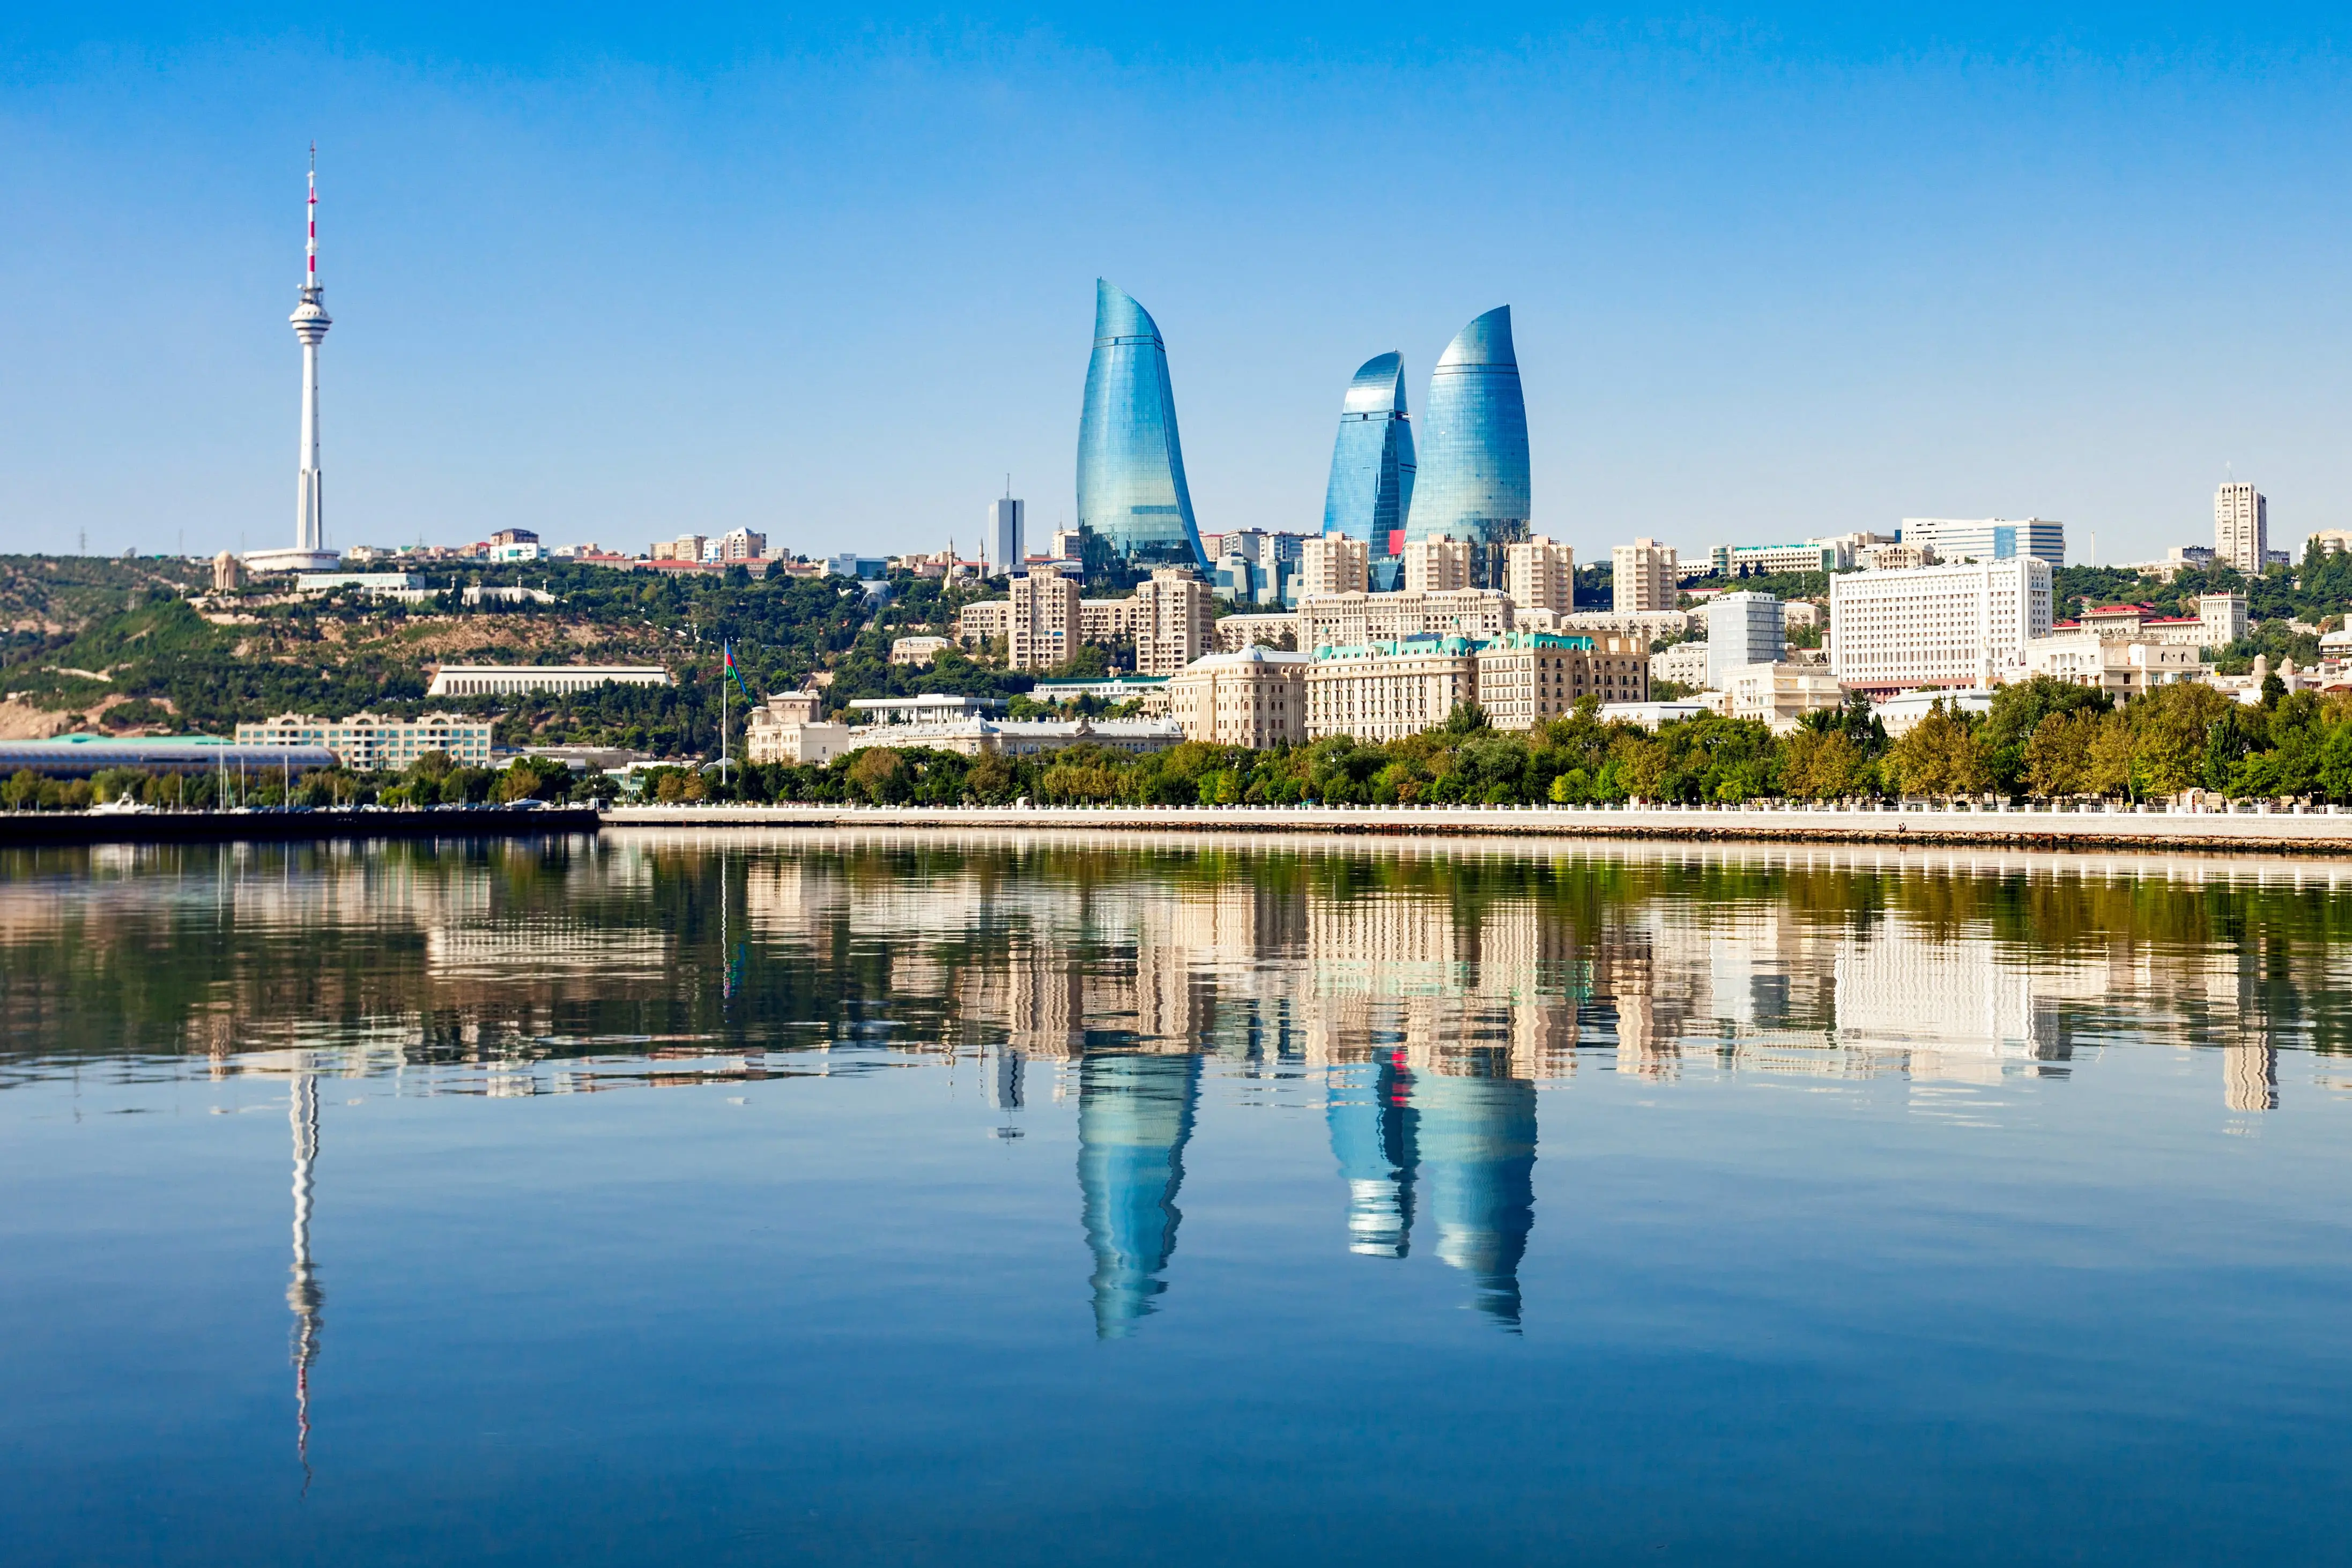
(1005,531)
(310,322)
(1742,629)
(2241,528)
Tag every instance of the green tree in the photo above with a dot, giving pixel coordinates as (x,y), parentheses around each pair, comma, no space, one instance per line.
(1940,755)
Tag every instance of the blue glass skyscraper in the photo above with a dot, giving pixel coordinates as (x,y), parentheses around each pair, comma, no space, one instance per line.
(1371,492)
(1131,490)
(1135,1116)
(1473,483)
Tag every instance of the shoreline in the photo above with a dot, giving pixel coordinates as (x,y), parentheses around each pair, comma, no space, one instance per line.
(2322,832)
(36,829)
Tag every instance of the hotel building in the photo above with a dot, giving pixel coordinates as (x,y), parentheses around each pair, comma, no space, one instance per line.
(1937,625)
(367,743)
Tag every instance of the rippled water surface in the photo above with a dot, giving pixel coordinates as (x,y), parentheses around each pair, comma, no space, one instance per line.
(996,1199)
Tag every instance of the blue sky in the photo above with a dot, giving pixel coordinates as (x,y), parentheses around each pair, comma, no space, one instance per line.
(616,275)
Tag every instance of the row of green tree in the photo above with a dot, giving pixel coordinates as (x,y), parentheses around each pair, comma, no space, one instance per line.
(2041,738)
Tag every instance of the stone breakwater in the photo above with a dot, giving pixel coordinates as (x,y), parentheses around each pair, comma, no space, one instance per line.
(2313,831)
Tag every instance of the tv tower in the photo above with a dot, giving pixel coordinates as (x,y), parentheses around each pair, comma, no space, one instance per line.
(310,322)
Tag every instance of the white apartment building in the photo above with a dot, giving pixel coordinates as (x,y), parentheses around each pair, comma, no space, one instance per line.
(1017,737)
(1643,576)
(1987,538)
(506,679)
(1436,566)
(1347,620)
(2241,528)
(1333,563)
(1685,663)
(1540,574)
(685,546)
(1780,695)
(367,743)
(1937,625)
(2125,668)
(1771,560)
(1385,691)
(2333,541)
(1742,629)
(1041,626)
(2223,618)
(1257,697)
(1527,677)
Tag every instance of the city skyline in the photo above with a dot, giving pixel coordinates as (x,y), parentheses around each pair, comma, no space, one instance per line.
(1855,273)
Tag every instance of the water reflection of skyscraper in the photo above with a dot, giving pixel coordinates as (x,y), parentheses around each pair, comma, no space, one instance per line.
(1477,1138)
(1374,1136)
(1135,1116)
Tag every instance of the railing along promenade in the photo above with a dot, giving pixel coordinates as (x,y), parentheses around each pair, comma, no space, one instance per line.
(2257,827)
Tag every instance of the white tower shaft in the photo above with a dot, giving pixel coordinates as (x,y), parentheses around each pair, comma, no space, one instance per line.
(310,322)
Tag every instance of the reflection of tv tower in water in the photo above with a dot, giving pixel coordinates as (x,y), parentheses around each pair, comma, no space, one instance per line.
(302,1292)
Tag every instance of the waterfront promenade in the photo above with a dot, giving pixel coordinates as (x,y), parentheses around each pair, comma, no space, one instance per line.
(2323,829)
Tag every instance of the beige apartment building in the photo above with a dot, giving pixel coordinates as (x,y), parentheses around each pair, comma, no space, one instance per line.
(2241,528)
(2125,668)
(1234,633)
(1257,697)
(1436,566)
(1385,691)
(1043,625)
(1345,620)
(1527,677)
(1780,695)
(1333,563)
(1645,576)
(1540,574)
(789,727)
(1173,621)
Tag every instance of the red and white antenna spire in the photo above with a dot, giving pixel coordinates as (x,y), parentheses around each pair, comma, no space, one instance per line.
(310,254)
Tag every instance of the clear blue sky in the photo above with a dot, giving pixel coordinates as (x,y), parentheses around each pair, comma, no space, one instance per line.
(618,272)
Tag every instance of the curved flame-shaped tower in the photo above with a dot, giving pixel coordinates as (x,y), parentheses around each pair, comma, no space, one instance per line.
(1473,483)
(1477,1139)
(1371,492)
(1135,1116)
(1131,490)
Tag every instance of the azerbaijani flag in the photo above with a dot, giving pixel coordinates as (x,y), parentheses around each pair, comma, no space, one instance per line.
(728,659)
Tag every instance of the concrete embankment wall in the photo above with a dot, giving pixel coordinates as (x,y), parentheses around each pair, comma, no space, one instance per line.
(2320,831)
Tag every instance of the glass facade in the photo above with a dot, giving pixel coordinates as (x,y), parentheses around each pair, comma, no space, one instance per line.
(1371,492)
(1132,492)
(1473,483)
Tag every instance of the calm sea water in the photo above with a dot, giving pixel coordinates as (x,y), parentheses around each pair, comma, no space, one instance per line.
(1035,1200)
